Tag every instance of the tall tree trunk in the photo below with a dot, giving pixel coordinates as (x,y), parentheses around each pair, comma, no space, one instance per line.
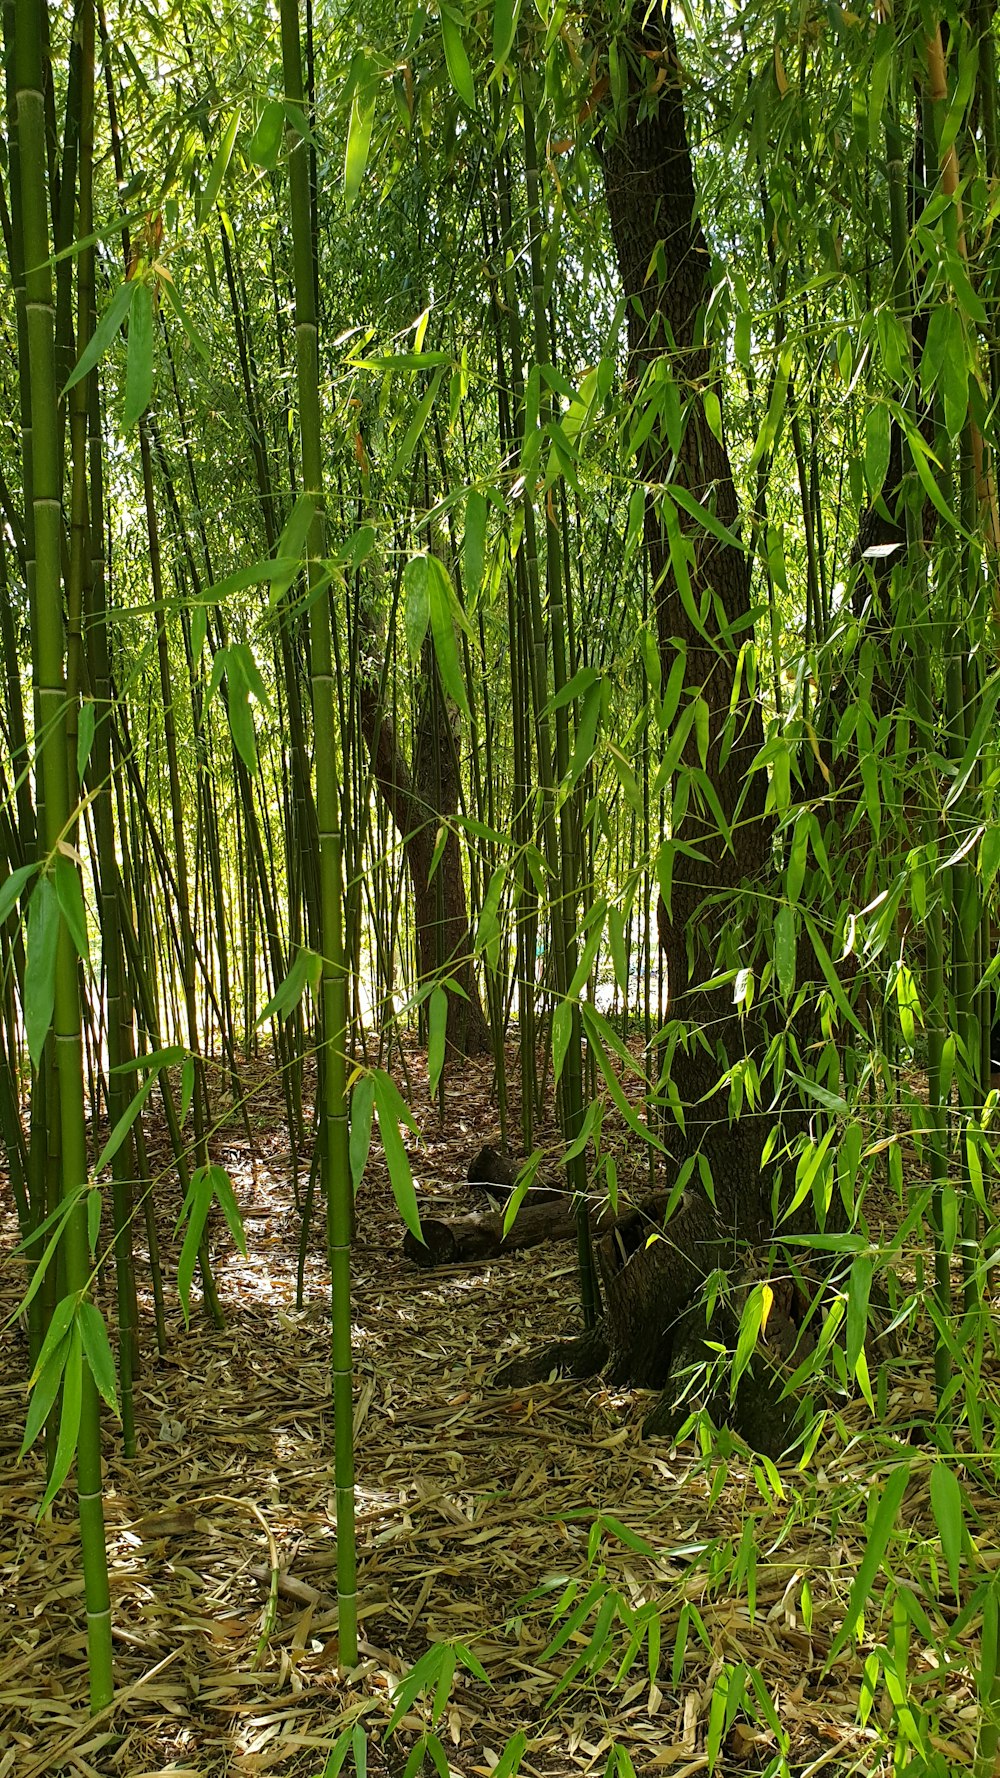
(663,263)
(419,801)
(720,830)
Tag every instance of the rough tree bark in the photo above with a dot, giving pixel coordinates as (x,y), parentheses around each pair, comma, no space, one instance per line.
(663,264)
(419,802)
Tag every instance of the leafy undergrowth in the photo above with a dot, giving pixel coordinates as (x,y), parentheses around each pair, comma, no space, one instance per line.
(537,1584)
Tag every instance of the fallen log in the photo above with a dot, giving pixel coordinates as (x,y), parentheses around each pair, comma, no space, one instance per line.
(481,1236)
(496,1174)
(460,1239)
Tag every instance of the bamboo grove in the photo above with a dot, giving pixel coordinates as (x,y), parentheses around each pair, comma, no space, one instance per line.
(345,467)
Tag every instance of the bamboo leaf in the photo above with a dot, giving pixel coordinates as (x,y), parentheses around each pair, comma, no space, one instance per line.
(946,1502)
(359,1748)
(442,1690)
(594,931)
(877,87)
(510,1759)
(442,604)
(834,1102)
(305,972)
(69,894)
(751,1322)
(836,988)
(989,858)
(359,136)
(921,459)
(562,1030)
(222,1190)
(69,1419)
(362,1102)
(474,545)
(785,949)
(616,941)
(628,1537)
(459,68)
(626,777)
(59,1325)
(416,426)
(194,334)
(56,1221)
(241,723)
(488,931)
(586,733)
(187,1086)
(84,737)
(990,1642)
(264,145)
(599,1034)
(399,361)
(973,751)
(877,442)
(415,1760)
(278,571)
(422,1675)
(213,185)
(768,435)
(672,695)
(522,1186)
(40,967)
(418,610)
(438,1756)
(591,1122)
(357,548)
(944,365)
(97,1350)
(45,1391)
(576,1617)
(391,1112)
(797,857)
(195,1210)
(437,1032)
(220,663)
(93,1207)
(858,1294)
(11,888)
(878,1538)
(505,17)
(338,1753)
(292,546)
(576,687)
(139,361)
(124,1124)
(106,330)
(717,1708)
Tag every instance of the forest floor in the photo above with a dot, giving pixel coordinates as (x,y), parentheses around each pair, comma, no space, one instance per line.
(476,1510)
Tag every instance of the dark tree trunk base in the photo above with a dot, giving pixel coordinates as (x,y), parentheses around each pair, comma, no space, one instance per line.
(761,1412)
(654,1334)
(584,1356)
(691,1365)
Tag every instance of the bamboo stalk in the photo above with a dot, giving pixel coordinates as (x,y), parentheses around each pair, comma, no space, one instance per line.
(336,1169)
(48,665)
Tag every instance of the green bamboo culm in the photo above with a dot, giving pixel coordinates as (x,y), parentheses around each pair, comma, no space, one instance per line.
(87,592)
(918,588)
(564,840)
(31,34)
(333,1131)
